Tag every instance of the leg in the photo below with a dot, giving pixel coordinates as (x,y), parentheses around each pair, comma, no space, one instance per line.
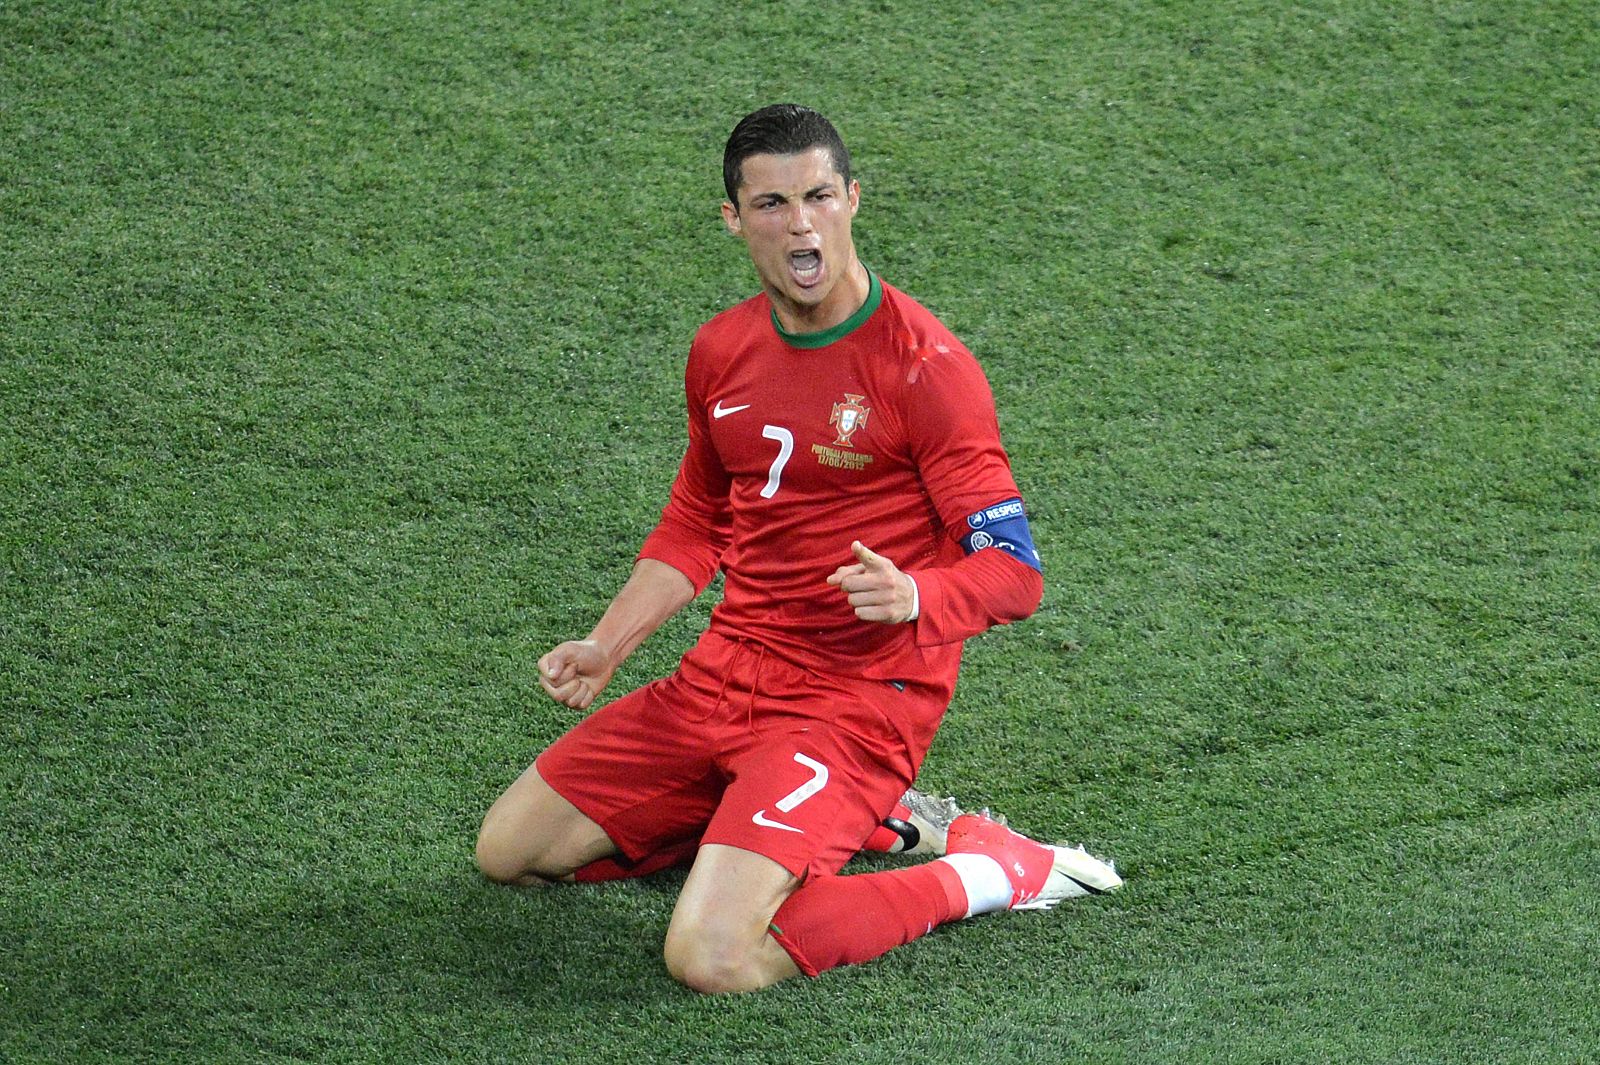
(718,940)
(797,805)
(845,920)
(624,792)
(532,835)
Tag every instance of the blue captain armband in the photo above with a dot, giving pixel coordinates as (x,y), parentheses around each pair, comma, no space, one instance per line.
(1004,525)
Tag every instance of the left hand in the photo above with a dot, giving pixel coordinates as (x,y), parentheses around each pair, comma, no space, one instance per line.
(875,587)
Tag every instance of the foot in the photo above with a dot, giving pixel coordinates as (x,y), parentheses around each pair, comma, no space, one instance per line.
(1041,875)
(917,825)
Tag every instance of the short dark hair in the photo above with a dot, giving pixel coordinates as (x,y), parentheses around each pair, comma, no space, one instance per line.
(779,129)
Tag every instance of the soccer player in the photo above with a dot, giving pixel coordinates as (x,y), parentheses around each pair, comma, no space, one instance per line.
(845,472)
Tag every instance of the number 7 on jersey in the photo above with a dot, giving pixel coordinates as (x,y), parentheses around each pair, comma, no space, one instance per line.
(785,441)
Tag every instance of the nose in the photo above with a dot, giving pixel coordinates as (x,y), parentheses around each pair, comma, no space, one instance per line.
(800,218)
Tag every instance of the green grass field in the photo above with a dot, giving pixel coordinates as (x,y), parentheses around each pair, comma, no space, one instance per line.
(340,376)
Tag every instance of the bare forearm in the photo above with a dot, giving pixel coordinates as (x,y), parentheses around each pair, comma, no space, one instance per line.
(654,593)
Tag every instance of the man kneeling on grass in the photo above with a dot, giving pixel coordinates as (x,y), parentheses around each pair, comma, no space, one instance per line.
(845,472)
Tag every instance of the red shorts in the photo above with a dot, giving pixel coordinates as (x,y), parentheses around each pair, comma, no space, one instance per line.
(742,748)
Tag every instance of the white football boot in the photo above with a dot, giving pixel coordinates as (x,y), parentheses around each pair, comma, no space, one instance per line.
(1041,875)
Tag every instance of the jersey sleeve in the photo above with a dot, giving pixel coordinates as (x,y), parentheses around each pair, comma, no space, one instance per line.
(955,440)
(696,525)
(985,589)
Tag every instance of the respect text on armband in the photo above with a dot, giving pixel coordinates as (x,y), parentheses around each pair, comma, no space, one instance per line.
(1004,525)
(1011,508)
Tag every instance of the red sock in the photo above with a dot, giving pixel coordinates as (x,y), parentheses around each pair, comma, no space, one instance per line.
(620,868)
(843,920)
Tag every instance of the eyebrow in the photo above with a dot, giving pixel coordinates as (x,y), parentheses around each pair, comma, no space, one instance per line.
(780,197)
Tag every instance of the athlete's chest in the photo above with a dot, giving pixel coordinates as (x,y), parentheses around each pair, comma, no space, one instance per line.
(803,421)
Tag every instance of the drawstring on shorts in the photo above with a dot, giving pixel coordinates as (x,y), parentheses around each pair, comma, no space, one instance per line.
(755,686)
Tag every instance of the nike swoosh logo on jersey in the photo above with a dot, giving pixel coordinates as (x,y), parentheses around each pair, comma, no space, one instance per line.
(760,817)
(719,411)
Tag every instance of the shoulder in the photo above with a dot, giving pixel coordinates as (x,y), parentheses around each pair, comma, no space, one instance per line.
(917,322)
(720,343)
(736,325)
(931,354)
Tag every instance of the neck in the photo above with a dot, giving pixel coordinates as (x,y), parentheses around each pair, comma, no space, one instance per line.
(843,300)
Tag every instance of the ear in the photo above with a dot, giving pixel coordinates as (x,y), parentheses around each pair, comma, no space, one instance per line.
(730,218)
(854,193)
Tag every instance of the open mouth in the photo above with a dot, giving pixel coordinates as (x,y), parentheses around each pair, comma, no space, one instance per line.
(806,266)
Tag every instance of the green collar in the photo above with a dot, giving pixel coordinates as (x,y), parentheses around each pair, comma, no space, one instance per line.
(843,329)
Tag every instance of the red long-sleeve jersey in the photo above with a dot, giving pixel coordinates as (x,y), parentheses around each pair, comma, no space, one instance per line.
(882,430)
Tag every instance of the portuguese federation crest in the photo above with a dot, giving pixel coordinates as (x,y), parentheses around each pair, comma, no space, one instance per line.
(849,416)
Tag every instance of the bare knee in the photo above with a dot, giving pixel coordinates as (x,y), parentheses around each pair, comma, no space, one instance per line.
(531,835)
(714,965)
(505,859)
(718,941)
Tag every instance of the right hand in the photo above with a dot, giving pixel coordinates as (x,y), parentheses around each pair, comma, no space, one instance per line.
(575,672)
